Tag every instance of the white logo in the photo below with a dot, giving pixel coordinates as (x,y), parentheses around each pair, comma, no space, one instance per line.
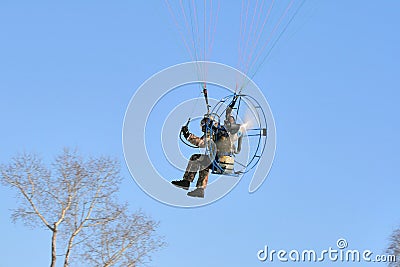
(142,142)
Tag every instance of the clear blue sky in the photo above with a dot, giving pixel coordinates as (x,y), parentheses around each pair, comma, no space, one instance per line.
(68,71)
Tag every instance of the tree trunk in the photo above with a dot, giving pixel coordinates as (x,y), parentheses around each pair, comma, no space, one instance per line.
(70,242)
(53,247)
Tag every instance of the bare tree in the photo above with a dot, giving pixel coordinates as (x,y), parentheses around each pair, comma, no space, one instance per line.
(76,200)
(120,241)
(394,248)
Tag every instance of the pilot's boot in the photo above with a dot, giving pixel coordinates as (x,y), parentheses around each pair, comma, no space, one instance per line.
(188,177)
(184,184)
(198,192)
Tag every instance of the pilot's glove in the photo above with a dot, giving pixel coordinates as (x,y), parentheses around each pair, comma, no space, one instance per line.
(185,131)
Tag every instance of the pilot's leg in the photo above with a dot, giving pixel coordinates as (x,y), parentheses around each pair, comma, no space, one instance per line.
(193,166)
(201,182)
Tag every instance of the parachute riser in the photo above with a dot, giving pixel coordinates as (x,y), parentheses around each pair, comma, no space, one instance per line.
(205,93)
